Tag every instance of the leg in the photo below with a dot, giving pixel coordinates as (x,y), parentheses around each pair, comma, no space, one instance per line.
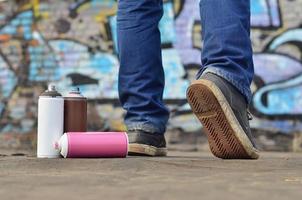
(227,45)
(141,75)
(219,99)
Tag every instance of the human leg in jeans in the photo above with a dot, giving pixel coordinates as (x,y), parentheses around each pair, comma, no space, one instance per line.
(141,75)
(220,96)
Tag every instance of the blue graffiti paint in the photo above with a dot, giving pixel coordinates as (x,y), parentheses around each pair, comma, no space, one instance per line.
(268,66)
(113,24)
(8,81)
(184,32)
(176,85)
(294,35)
(265,13)
(23,20)
(101,67)
(166,24)
(282,98)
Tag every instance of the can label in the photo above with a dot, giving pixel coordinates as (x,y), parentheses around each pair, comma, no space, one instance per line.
(93,145)
(75,112)
(50,122)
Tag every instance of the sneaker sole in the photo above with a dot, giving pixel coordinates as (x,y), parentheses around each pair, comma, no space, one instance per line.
(146,150)
(227,139)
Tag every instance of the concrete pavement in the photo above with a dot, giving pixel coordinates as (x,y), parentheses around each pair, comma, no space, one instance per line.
(181,175)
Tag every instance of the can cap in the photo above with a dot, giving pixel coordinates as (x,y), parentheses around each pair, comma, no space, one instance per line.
(75,93)
(62,145)
(51,92)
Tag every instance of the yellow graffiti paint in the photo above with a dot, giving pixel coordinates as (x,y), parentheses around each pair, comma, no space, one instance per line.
(36,7)
(104,14)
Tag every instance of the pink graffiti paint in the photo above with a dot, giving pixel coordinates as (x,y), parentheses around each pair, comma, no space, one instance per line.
(93,145)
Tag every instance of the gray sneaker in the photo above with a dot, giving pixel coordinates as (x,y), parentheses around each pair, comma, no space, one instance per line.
(223,112)
(142,143)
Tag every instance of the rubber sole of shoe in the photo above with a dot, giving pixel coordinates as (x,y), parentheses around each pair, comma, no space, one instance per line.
(227,139)
(146,150)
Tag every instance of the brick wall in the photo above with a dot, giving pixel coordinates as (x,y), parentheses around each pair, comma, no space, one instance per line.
(73,43)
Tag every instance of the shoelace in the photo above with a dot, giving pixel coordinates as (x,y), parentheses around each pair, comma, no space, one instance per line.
(249,115)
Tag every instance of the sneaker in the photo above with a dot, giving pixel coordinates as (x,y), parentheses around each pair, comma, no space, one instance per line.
(146,144)
(222,110)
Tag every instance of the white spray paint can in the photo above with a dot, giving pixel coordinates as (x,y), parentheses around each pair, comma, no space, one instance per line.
(50,122)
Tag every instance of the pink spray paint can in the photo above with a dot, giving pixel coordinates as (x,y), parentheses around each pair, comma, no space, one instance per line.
(93,145)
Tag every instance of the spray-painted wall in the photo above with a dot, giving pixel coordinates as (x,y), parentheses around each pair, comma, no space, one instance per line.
(73,43)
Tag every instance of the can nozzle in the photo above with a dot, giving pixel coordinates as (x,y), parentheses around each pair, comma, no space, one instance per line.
(51,87)
(75,92)
(57,146)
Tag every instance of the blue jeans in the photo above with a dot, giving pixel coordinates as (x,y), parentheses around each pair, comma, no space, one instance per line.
(227,52)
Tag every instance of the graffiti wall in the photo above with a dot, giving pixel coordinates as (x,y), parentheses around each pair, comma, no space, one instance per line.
(73,43)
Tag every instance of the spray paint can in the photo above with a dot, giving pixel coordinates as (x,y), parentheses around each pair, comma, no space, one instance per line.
(50,122)
(75,112)
(93,145)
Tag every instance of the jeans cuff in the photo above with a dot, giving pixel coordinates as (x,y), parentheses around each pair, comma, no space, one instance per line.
(145,127)
(242,88)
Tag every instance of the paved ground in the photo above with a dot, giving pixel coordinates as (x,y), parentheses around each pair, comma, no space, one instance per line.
(179,176)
